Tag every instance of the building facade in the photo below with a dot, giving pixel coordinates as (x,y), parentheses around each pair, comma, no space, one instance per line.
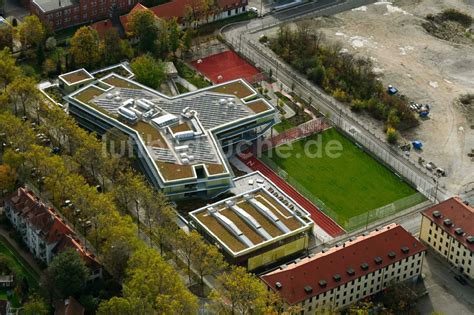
(256,228)
(337,277)
(44,232)
(60,14)
(448,228)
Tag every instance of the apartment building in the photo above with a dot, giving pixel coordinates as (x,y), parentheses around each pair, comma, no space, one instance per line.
(177,141)
(60,14)
(44,231)
(257,227)
(339,276)
(179,8)
(448,228)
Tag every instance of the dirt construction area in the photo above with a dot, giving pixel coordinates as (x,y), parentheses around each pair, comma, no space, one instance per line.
(426,69)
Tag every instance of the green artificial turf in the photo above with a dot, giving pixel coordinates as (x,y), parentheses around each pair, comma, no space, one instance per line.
(351,184)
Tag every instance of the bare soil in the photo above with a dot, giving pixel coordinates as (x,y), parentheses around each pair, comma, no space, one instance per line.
(424,68)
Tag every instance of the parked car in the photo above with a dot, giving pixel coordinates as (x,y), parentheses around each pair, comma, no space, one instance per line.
(460,279)
(253,9)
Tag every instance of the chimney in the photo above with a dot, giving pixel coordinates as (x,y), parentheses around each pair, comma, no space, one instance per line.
(60,3)
(66,302)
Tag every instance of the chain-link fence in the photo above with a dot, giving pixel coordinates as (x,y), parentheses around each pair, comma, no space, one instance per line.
(341,117)
(353,223)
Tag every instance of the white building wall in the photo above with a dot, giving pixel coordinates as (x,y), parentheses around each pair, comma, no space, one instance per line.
(350,292)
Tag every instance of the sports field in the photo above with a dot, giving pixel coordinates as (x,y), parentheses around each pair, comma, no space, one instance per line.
(351,184)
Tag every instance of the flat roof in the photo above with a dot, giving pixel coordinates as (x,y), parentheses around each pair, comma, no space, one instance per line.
(259,216)
(348,261)
(454,217)
(76,76)
(51,5)
(176,131)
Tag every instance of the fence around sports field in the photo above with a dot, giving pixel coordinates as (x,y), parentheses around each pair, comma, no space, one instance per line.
(355,222)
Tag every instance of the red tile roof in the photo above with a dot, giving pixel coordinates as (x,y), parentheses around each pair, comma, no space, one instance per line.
(461,216)
(337,260)
(102,27)
(176,8)
(124,18)
(53,228)
(69,306)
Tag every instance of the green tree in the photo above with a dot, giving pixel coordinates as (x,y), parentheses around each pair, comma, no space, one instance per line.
(35,306)
(143,26)
(8,69)
(239,292)
(174,35)
(68,273)
(113,48)
(148,71)
(85,47)
(31,31)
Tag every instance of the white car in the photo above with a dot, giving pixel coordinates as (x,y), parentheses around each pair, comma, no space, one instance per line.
(253,9)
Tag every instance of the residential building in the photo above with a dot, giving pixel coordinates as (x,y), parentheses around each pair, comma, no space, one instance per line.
(179,8)
(256,228)
(69,306)
(61,14)
(177,141)
(44,231)
(448,228)
(341,275)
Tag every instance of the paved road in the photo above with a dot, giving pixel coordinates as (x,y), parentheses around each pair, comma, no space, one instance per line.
(445,294)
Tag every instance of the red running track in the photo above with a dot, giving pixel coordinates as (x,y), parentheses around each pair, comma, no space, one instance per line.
(319,218)
(228,65)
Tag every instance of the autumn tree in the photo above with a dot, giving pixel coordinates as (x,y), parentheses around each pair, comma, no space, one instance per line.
(22,91)
(154,284)
(31,31)
(238,292)
(8,69)
(207,260)
(68,273)
(143,26)
(85,47)
(188,246)
(148,71)
(116,305)
(7,179)
(6,37)
(35,306)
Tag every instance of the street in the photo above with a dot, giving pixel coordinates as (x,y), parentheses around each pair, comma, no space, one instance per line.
(445,294)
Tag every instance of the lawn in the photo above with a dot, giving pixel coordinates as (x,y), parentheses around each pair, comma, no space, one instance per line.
(31,276)
(350,184)
(285,124)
